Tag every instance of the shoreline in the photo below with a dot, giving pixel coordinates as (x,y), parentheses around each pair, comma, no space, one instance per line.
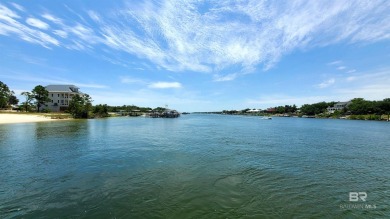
(16,118)
(301,117)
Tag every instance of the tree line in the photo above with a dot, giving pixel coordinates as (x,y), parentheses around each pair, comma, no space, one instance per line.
(356,109)
(357,106)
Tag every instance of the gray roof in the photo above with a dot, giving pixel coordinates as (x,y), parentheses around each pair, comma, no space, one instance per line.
(343,103)
(61,88)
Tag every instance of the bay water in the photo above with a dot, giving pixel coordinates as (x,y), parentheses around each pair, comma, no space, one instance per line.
(195,166)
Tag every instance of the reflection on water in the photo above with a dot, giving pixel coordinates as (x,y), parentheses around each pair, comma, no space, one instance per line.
(202,166)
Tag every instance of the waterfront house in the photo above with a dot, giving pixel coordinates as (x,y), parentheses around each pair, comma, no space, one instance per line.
(60,96)
(338,106)
(254,111)
(271,110)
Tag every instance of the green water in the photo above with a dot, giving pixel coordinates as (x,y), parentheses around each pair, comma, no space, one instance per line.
(195,166)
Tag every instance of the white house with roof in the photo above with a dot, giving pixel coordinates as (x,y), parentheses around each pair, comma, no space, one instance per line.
(338,106)
(60,96)
(254,111)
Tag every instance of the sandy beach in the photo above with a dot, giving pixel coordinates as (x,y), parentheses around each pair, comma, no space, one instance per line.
(9,118)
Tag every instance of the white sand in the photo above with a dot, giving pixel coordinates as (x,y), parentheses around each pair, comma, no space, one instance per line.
(7,118)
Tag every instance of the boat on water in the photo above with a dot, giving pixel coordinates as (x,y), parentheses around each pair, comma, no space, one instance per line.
(266,117)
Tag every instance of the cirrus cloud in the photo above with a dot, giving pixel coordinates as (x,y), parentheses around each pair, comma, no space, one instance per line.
(37,23)
(326,83)
(205,36)
(165,85)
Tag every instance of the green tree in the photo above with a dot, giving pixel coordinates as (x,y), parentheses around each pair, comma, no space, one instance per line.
(29,99)
(360,106)
(87,102)
(308,109)
(313,109)
(159,109)
(100,110)
(13,100)
(80,106)
(294,108)
(41,96)
(5,94)
(280,109)
(385,107)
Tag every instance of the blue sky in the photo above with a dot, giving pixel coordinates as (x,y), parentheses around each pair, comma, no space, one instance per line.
(199,55)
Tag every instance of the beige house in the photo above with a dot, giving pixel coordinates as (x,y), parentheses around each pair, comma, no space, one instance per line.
(60,96)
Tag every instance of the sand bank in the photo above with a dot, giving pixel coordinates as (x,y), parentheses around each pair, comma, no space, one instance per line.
(8,118)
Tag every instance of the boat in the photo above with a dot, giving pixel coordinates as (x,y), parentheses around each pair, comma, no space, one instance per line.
(266,117)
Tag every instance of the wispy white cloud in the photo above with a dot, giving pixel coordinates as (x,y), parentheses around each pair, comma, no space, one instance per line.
(48,80)
(94,16)
(131,80)
(148,84)
(326,83)
(193,36)
(220,36)
(351,78)
(7,14)
(10,25)
(84,33)
(337,62)
(165,85)
(17,6)
(52,18)
(61,33)
(228,77)
(37,23)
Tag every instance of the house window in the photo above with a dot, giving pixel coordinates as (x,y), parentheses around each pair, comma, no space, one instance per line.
(52,101)
(51,95)
(58,95)
(58,101)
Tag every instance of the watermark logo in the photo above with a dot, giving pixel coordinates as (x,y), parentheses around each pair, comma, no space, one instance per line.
(356,196)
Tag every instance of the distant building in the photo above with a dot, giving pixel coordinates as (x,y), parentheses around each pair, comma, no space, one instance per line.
(60,96)
(254,111)
(271,110)
(338,106)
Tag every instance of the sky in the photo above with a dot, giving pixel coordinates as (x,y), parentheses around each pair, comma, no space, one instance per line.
(196,55)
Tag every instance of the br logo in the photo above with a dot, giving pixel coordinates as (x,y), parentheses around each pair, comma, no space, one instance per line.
(355,196)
